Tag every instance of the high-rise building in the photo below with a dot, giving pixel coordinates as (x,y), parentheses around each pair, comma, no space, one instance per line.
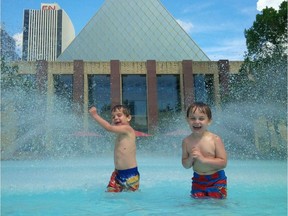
(47,33)
(7,46)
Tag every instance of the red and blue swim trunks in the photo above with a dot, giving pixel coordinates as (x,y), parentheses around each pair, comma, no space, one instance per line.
(124,180)
(213,186)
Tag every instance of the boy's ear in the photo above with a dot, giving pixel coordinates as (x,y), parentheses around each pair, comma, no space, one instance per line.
(210,122)
(129,118)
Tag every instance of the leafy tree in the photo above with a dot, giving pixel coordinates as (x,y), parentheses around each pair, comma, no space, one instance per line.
(268,35)
(262,81)
(263,75)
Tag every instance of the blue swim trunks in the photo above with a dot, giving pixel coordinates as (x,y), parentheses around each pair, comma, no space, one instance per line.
(214,186)
(124,180)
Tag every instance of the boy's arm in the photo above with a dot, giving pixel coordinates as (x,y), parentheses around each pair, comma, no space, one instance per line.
(106,125)
(187,161)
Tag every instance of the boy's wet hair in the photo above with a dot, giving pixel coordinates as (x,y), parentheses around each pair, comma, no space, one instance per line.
(202,107)
(122,108)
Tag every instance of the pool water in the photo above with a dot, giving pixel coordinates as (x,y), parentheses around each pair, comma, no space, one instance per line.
(76,187)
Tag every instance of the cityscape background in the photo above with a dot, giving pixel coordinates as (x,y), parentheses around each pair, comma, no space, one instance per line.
(216,26)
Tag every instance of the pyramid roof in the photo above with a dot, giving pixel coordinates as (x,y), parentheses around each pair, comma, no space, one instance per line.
(132,30)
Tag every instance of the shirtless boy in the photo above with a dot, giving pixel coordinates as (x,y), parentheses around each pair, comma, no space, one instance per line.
(125,176)
(205,152)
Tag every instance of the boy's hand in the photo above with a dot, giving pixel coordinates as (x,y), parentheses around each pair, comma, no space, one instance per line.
(93,110)
(196,154)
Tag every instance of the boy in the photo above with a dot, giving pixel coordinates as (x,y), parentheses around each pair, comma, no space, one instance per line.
(125,176)
(205,152)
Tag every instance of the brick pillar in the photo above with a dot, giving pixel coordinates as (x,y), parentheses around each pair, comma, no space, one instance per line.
(188,83)
(152,103)
(223,68)
(42,85)
(78,85)
(115,80)
(42,76)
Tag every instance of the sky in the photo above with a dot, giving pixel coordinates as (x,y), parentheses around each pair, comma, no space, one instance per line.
(217,26)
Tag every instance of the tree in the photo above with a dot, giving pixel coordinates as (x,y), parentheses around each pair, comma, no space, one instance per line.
(268,35)
(263,75)
(262,80)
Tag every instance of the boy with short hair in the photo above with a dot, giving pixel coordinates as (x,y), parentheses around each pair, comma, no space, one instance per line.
(205,152)
(125,176)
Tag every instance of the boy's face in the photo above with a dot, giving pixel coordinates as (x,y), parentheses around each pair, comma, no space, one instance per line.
(198,121)
(119,118)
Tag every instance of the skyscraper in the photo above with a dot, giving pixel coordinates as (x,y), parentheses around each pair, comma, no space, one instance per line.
(7,46)
(47,32)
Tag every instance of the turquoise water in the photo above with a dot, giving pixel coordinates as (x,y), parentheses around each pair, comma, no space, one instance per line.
(76,187)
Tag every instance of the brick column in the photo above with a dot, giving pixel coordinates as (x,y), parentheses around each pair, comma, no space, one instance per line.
(78,85)
(223,68)
(188,83)
(152,102)
(42,86)
(42,76)
(115,80)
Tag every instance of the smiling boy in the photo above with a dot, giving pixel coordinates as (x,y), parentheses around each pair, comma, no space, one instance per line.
(125,176)
(205,152)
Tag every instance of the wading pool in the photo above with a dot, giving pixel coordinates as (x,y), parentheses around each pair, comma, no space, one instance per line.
(77,187)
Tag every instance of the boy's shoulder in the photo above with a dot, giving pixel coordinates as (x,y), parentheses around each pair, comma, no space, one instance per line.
(214,136)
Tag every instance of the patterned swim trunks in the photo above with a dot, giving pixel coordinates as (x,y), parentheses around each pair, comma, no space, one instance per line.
(124,180)
(205,186)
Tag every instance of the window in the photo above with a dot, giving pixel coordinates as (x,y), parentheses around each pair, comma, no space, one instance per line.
(99,92)
(63,86)
(204,88)
(134,95)
(168,93)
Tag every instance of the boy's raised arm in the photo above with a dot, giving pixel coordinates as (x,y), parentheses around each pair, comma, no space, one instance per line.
(106,125)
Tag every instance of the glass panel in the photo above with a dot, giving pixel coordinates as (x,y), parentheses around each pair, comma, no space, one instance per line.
(209,84)
(199,88)
(203,87)
(99,92)
(168,93)
(134,95)
(146,31)
(169,101)
(63,89)
(99,96)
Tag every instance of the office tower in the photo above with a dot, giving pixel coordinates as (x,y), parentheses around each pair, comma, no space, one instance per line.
(7,46)
(47,32)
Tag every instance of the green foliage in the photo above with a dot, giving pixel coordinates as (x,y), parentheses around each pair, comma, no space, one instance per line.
(262,80)
(268,33)
(263,76)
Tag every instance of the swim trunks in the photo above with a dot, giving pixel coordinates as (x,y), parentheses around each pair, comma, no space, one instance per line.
(214,186)
(124,180)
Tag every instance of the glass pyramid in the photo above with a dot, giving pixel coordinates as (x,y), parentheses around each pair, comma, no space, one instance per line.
(133,30)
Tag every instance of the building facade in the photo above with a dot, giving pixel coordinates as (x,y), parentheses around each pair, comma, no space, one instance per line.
(7,46)
(133,53)
(151,89)
(47,33)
